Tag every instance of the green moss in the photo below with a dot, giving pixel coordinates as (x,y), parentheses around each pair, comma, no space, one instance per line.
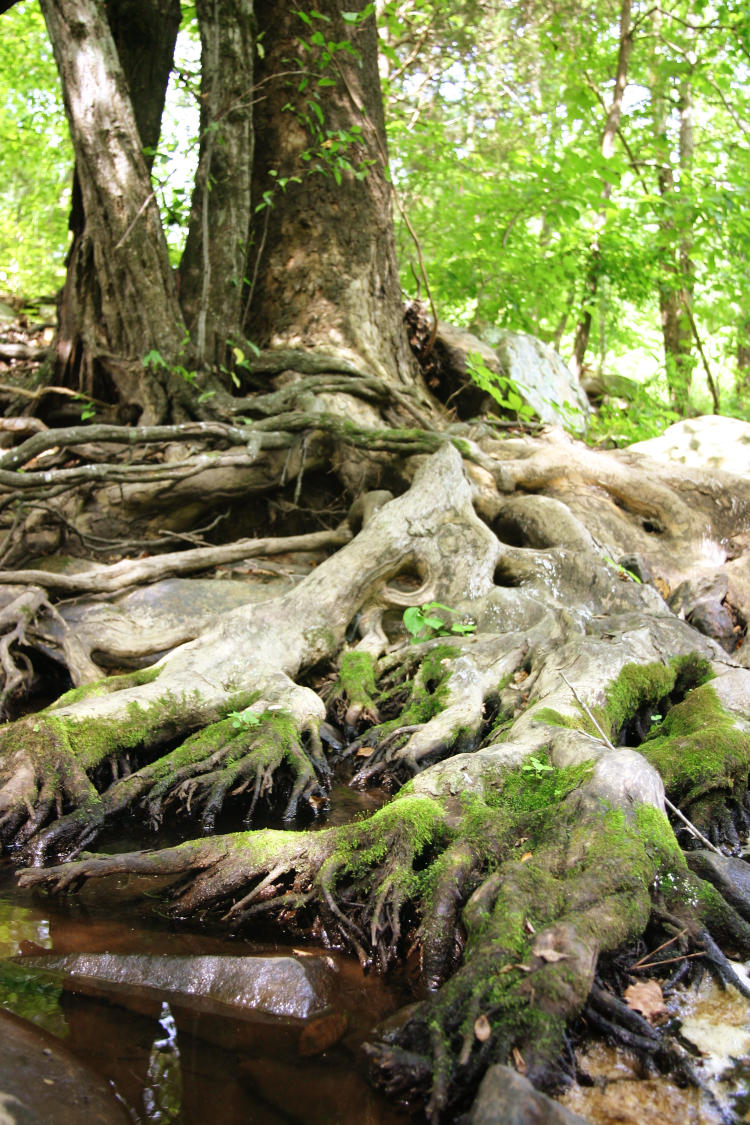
(107,685)
(428,691)
(556,719)
(90,740)
(641,685)
(403,839)
(274,739)
(356,682)
(698,748)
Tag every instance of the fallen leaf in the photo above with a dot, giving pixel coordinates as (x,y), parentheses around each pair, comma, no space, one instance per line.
(482,1028)
(365,751)
(647,998)
(519,677)
(551,955)
(518,1062)
(525,856)
(322,1033)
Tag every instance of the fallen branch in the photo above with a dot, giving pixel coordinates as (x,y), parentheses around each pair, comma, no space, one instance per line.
(134,572)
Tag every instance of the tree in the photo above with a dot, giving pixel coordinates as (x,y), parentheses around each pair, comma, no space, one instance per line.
(611,125)
(467,636)
(120,301)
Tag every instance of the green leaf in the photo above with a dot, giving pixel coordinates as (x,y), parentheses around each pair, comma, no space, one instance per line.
(413,620)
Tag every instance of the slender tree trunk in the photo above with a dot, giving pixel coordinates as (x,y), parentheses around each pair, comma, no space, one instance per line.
(611,125)
(119,301)
(675,286)
(322,263)
(213,264)
(743,359)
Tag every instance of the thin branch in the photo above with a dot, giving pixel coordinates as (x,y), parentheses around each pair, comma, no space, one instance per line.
(588,711)
(696,336)
(641,967)
(664,945)
(691,827)
(132,572)
(141,209)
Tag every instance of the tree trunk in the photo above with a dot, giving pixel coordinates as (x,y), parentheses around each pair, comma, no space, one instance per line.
(742,381)
(676,283)
(213,263)
(611,125)
(322,265)
(119,301)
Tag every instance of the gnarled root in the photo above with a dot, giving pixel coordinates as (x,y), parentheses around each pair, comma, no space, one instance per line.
(441,705)
(535,927)
(253,753)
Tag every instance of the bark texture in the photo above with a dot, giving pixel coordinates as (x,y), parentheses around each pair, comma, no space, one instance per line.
(322,264)
(119,301)
(213,263)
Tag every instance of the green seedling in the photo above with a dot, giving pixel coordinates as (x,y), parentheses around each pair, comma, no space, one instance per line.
(422,623)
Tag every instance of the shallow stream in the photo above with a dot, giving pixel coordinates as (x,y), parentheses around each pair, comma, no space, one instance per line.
(198,1060)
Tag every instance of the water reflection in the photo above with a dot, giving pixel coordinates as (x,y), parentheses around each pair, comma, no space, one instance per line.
(162,1097)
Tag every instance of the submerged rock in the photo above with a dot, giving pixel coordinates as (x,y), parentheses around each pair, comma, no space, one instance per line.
(274,986)
(41,1083)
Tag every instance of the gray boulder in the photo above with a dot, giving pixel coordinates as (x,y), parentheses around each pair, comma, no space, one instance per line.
(710,442)
(535,371)
(507,1098)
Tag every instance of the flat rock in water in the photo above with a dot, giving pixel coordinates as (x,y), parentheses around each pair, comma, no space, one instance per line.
(42,1083)
(709,442)
(507,1098)
(296,988)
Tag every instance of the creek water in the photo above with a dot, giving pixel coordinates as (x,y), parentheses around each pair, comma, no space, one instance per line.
(197,1062)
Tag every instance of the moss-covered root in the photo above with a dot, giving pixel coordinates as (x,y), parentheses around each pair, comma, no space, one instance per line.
(359,880)
(221,870)
(40,775)
(352,701)
(49,762)
(249,756)
(535,927)
(702,752)
(252,754)
(440,708)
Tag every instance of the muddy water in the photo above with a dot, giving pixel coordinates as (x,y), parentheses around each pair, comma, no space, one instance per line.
(197,1065)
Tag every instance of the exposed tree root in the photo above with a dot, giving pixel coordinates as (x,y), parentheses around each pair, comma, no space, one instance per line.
(526,840)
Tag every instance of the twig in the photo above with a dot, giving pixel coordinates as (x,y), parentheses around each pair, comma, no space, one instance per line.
(638,967)
(691,827)
(664,944)
(696,336)
(588,711)
(141,209)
